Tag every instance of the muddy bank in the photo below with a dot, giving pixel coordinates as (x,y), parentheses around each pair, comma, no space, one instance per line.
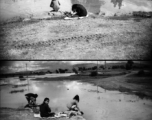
(16,114)
(130,82)
(89,38)
(21,114)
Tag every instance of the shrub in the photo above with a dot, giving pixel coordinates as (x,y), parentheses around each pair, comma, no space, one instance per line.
(93,73)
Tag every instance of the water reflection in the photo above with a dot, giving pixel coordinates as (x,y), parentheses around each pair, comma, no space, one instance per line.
(110,7)
(27,8)
(117,2)
(95,105)
(91,5)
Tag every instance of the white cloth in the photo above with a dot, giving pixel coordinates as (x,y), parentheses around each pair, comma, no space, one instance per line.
(56,116)
(72,18)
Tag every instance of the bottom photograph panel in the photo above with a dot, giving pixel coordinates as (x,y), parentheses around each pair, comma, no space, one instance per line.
(76,90)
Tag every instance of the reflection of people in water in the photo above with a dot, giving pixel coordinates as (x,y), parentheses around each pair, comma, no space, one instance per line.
(55,4)
(117,2)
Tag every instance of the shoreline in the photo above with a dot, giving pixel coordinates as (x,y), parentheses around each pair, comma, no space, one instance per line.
(114,82)
(48,15)
(120,82)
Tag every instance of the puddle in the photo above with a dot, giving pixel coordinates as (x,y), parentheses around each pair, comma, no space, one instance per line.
(95,102)
(27,8)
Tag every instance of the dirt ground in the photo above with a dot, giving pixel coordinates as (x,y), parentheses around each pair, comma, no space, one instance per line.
(89,38)
(22,114)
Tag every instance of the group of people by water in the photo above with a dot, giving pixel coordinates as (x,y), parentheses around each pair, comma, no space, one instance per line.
(45,110)
(78,10)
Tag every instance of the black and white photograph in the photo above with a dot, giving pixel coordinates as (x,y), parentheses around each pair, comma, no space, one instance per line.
(76,59)
(76,29)
(76,90)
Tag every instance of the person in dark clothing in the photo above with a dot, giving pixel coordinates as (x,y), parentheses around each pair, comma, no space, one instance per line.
(45,110)
(79,10)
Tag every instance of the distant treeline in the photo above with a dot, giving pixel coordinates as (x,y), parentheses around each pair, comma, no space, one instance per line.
(28,73)
(143,14)
(128,65)
(109,66)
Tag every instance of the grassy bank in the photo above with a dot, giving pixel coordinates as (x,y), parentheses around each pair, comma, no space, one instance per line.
(88,38)
(20,114)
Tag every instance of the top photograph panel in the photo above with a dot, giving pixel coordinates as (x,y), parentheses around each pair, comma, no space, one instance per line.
(76,29)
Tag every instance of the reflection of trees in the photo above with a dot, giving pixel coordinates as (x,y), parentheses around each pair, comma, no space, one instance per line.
(129,65)
(117,2)
(94,5)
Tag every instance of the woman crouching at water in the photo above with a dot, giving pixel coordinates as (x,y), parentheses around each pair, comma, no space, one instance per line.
(45,110)
(73,107)
(78,11)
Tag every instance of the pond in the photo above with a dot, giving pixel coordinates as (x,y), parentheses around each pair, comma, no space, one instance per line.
(103,104)
(110,7)
(27,8)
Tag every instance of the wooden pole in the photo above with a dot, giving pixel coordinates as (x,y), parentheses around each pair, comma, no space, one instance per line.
(97,74)
(105,64)
(27,77)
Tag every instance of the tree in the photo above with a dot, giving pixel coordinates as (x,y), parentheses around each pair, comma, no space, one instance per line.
(102,66)
(80,68)
(66,70)
(93,73)
(75,71)
(129,64)
(57,71)
(61,70)
(94,68)
(49,71)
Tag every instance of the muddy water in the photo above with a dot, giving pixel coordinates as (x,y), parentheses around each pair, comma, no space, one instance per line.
(27,8)
(105,105)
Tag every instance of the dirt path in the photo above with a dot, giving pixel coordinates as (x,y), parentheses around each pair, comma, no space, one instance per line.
(90,38)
